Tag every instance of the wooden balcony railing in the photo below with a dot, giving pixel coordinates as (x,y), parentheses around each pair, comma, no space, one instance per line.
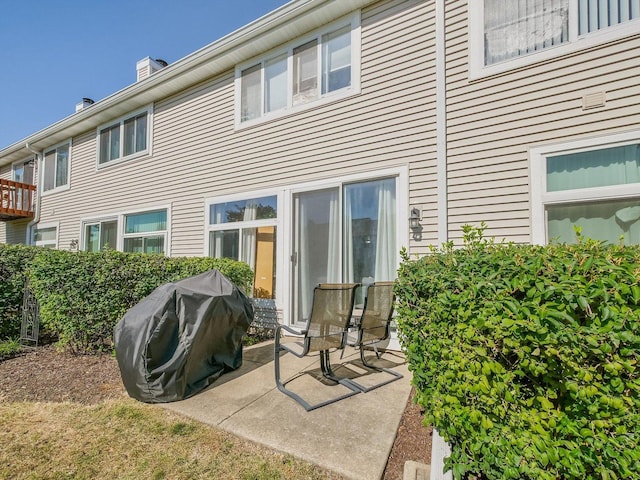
(17,200)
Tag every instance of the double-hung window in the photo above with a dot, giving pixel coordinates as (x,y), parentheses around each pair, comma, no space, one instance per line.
(145,232)
(125,138)
(245,230)
(321,66)
(506,34)
(56,167)
(592,185)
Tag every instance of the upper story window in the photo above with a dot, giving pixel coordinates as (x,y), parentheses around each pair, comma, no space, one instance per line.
(322,66)
(592,184)
(506,34)
(56,167)
(125,138)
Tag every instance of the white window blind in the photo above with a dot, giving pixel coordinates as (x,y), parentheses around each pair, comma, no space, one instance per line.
(595,15)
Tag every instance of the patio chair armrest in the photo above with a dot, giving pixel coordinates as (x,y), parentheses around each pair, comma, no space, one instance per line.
(290,330)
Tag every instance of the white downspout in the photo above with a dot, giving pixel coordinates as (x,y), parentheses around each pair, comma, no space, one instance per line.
(36,217)
(439,448)
(441,123)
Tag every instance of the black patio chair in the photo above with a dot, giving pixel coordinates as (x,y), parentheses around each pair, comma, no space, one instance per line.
(326,331)
(374,327)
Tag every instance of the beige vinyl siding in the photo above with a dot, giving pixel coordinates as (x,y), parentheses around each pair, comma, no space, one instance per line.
(492,122)
(197,152)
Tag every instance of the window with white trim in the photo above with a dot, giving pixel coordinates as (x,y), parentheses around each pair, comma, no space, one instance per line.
(100,234)
(305,72)
(246,230)
(125,138)
(145,232)
(595,187)
(511,33)
(45,236)
(56,167)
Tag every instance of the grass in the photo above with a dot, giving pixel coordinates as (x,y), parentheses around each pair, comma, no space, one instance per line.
(125,439)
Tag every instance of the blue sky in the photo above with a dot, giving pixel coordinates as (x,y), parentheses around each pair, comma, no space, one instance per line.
(54,53)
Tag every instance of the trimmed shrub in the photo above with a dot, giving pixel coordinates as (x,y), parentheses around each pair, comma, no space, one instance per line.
(82,295)
(525,358)
(14,261)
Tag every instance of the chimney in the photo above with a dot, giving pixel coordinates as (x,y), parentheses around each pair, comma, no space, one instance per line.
(86,102)
(147,66)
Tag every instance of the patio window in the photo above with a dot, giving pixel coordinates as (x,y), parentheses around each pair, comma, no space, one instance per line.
(246,230)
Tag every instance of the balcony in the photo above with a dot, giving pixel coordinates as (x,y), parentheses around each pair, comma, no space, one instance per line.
(16,200)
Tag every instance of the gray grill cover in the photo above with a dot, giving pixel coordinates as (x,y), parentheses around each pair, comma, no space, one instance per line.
(182,337)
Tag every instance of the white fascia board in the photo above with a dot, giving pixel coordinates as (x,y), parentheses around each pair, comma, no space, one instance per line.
(279,26)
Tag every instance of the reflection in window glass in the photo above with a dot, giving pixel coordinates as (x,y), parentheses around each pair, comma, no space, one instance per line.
(614,222)
(250,98)
(275,84)
(224,244)
(146,222)
(336,60)
(244,210)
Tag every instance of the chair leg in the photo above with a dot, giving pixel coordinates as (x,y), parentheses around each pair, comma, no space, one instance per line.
(364,389)
(324,363)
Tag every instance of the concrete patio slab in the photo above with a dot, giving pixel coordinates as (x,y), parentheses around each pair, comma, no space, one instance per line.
(352,437)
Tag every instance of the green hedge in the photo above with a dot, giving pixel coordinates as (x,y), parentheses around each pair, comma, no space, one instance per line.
(83,295)
(525,358)
(14,260)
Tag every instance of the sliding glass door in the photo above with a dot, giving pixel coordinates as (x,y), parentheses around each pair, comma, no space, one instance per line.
(347,233)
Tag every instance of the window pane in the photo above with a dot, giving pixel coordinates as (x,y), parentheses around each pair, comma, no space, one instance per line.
(259,252)
(146,222)
(105,141)
(599,220)
(129,136)
(62,165)
(275,84)
(48,182)
(108,234)
(305,72)
(250,99)
(244,210)
(114,142)
(595,168)
(92,238)
(153,245)
(595,15)
(224,244)
(45,234)
(133,245)
(370,231)
(516,28)
(336,60)
(141,132)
